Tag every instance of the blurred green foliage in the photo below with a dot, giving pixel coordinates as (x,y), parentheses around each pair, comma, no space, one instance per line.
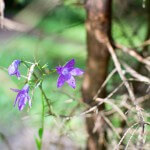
(62,37)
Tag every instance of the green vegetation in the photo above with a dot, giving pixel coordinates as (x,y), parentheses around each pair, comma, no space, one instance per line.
(62,37)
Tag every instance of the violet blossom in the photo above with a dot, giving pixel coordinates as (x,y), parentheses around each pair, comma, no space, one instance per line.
(22,97)
(13,68)
(67,73)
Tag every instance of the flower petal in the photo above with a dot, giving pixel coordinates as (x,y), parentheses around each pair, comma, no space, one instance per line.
(70,64)
(13,68)
(61,80)
(17,98)
(25,88)
(59,69)
(15,90)
(76,72)
(18,74)
(72,82)
(22,102)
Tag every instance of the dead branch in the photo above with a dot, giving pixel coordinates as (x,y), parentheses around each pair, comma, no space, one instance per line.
(2,7)
(111,125)
(114,106)
(128,87)
(104,83)
(131,137)
(24,21)
(133,53)
(117,147)
(136,74)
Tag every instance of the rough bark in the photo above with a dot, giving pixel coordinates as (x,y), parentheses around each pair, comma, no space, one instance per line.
(98,26)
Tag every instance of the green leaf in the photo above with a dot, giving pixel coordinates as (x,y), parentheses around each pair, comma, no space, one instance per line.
(38,143)
(45,66)
(40,133)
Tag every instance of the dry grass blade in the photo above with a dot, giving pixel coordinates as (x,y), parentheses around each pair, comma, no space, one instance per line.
(131,137)
(136,74)
(133,54)
(114,106)
(111,125)
(117,109)
(118,67)
(147,123)
(117,147)
(127,85)
(146,43)
(101,101)
(114,91)
(104,83)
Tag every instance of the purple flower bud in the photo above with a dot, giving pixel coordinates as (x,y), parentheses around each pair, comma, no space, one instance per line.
(66,74)
(13,68)
(22,97)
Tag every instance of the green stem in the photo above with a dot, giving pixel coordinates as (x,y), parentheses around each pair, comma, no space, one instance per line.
(47,100)
(42,91)
(42,126)
(43,110)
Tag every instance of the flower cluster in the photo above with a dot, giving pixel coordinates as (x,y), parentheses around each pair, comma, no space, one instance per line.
(66,74)
(23,94)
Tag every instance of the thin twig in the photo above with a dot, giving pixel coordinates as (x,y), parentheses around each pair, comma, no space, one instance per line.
(117,147)
(136,74)
(111,125)
(116,108)
(101,102)
(127,85)
(104,83)
(134,54)
(131,137)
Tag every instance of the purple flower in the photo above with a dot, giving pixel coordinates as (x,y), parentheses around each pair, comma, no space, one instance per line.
(13,68)
(66,74)
(22,97)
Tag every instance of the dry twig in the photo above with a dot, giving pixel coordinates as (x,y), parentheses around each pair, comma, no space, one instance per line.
(117,147)
(134,54)
(136,74)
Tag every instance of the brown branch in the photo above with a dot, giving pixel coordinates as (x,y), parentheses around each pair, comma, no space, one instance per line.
(24,21)
(134,54)
(2,7)
(145,43)
(136,74)
(15,26)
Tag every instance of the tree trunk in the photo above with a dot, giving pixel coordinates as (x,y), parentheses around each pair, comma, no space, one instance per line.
(98,26)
